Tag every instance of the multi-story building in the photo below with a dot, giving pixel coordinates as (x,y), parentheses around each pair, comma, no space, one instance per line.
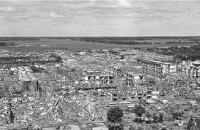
(133,78)
(98,78)
(154,68)
(192,70)
(106,79)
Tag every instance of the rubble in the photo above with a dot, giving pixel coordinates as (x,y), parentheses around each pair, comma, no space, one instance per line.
(82,88)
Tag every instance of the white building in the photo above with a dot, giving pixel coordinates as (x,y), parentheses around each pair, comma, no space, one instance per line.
(155,68)
(191,69)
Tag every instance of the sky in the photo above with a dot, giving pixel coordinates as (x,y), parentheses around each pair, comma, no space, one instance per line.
(67,18)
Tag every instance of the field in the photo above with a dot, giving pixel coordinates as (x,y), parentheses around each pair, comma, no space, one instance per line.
(78,44)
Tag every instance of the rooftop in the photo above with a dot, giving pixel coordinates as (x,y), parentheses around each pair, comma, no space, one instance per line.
(153,61)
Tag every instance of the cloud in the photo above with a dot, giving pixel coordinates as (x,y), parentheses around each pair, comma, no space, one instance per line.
(55,15)
(145,19)
(10,13)
(6,9)
(124,3)
(187,25)
(94,10)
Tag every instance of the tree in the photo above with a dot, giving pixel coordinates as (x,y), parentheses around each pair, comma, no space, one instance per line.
(160,117)
(151,81)
(139,128)
(30,127)
(198,99)
(114,115)
(143,102)
(177,115)
(2,94)
(34,69)
(139,110)
(10,114)
(114,127)
(190,123)
(198,122)
(155,118)
(132,128)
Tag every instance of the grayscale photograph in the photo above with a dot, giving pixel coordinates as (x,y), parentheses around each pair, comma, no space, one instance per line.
(99,64)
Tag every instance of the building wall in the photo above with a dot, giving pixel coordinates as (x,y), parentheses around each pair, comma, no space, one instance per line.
(173,68)
(155,69)
(152,69)
(133,79)
(107,79)
(102,79)
(31,87)
(191,71)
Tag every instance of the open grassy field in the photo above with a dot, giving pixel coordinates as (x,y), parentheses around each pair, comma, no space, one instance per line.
(74,45)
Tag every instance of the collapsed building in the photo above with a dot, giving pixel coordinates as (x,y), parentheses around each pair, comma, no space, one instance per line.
(30,84)
(133,78)
(28,60)
(116,69)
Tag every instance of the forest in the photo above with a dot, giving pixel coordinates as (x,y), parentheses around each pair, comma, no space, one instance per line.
(182,53)
(5,43)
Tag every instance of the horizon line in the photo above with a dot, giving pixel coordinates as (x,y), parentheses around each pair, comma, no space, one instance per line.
(89,36)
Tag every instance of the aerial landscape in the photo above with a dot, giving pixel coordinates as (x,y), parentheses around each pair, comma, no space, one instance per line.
(89,65)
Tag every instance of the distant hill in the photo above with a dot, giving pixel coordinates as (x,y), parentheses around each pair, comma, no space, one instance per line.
(19,38)
(87,43)
(140,40)
(102,38)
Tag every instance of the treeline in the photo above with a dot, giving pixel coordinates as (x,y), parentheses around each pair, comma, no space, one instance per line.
(4,43)
(100,38)
(30,60)
(183,53)
(19,38)
(125,42)
(171,43)
(135,38)
(128,42)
